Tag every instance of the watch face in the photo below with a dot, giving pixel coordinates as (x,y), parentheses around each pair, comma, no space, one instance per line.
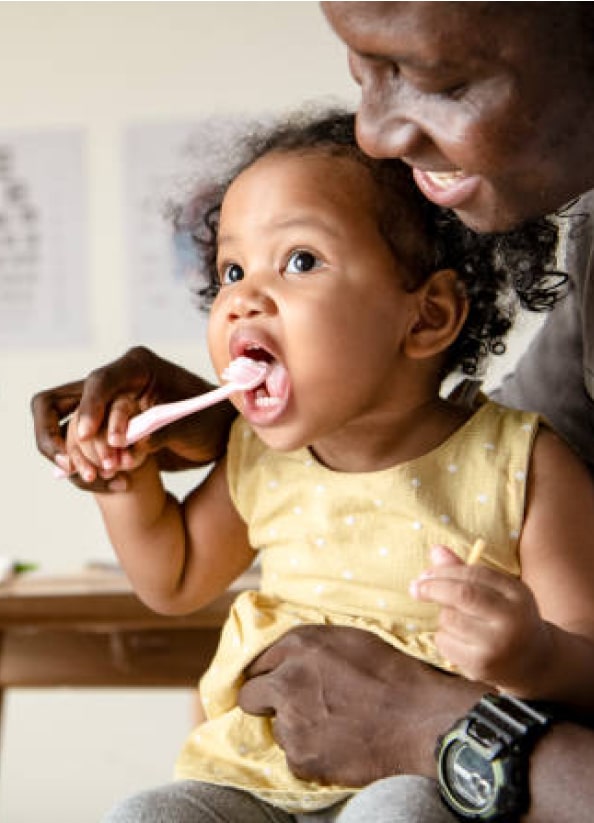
(469,777)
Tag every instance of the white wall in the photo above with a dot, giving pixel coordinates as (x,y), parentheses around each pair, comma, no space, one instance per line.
(101,66)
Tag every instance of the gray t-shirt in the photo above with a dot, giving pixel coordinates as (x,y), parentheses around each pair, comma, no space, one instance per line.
(555,376)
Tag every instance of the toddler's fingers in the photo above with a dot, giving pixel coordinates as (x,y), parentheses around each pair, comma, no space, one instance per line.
(106,458)
(463,654)
(442,556)
(121,411)
(475,591)
(63,466)
(82,466)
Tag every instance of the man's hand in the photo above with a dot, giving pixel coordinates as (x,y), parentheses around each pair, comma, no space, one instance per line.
(147,379)
(348,708)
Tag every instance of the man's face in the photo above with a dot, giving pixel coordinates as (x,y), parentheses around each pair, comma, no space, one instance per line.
(490,106)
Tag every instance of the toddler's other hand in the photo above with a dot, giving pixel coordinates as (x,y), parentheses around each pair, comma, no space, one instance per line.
(489,624)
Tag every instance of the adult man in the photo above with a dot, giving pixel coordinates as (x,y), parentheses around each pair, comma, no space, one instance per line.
(493,106)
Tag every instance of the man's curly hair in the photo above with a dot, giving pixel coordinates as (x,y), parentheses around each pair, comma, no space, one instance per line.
(499,272)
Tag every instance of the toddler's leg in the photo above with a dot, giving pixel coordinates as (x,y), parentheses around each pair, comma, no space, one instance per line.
(398,799)
(189,801)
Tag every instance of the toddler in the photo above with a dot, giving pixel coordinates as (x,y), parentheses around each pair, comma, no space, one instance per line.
(347,467)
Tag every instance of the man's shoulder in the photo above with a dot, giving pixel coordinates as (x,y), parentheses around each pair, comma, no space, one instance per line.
(576,222)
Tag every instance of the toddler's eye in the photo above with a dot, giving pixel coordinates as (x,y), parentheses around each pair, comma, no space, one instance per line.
(231,274)
(302,261)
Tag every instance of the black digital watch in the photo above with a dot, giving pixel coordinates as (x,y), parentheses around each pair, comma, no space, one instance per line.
(482,761)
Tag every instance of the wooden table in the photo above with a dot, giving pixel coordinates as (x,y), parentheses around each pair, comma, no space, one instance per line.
(90,630)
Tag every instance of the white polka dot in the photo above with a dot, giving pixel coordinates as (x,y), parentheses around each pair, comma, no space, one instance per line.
(267,771)
(273,484)
(243,750)
(384,551)
(452,468)
(347,574)
(320,541)
(482,498)
(205,700)
(236,642)
(410,626)
(320,489)
(246,433)
(308,462)
(520,475)
(320,588)
(415,482)
(381,603)
(527,427)
(272,532)
(378,503)
(417,526)
(489,446)
(349,519)
(297,510)
(514,534)
(294,561)
(445,518)
(197,738)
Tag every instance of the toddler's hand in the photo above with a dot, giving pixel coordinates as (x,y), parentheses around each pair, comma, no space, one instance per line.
(100,455)
(489,624)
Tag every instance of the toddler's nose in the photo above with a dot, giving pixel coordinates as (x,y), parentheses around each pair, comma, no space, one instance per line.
(249,301)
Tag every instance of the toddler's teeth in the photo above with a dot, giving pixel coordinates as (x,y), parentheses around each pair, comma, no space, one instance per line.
(267,402)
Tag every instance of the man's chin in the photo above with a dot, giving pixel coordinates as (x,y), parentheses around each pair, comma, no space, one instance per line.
(490,221)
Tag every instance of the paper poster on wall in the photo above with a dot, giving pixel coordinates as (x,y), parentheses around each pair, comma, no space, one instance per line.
(164,164)
(43,239)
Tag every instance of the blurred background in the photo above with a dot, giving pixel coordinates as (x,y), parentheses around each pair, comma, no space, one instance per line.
(102,105)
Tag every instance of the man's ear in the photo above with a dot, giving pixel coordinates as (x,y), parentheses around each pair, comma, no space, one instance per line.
(442,309)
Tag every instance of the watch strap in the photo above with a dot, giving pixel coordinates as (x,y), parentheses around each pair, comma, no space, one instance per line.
(501,723)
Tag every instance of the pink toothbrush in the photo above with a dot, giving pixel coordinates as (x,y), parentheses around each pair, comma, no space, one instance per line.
(241,374)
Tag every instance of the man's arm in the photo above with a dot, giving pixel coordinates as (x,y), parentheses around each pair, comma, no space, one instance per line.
(561,768)
(350,709)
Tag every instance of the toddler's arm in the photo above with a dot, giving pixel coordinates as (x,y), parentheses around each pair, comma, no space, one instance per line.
(533,637)
(178,556)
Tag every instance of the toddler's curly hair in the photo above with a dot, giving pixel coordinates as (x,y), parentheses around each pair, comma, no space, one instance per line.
(499,272)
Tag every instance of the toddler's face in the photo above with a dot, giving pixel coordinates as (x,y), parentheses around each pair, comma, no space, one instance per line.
(309,283)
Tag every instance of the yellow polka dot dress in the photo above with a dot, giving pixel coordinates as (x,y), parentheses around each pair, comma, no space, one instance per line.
(341,549)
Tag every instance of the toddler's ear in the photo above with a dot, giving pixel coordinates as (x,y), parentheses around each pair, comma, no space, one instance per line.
(442,308)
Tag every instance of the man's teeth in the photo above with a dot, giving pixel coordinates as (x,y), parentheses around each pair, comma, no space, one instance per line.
(444,179)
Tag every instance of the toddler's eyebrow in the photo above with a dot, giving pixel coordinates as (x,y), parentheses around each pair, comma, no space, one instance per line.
(306,222)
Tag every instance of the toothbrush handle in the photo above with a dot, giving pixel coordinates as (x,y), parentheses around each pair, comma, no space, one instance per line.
(158,416)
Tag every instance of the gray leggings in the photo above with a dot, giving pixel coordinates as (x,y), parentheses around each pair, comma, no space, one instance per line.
(400,799)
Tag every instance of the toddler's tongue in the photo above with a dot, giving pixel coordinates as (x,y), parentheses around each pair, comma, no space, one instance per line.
(277,381)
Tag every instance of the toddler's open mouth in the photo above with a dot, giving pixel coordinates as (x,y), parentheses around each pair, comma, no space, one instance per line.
(271,396)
